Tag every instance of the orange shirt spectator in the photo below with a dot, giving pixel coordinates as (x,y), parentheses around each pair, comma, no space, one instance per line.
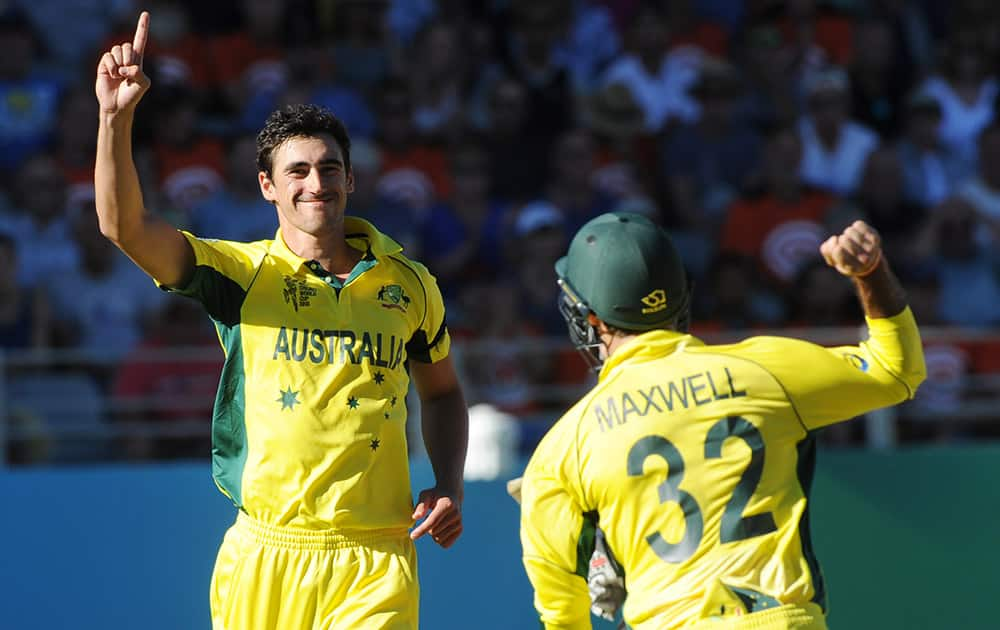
(780,234)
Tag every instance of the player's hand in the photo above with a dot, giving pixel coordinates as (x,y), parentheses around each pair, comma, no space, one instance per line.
(514,488)
(120,79)
(442,514)
(855,252)
(604,581)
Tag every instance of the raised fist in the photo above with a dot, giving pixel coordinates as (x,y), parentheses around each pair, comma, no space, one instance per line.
(856,252)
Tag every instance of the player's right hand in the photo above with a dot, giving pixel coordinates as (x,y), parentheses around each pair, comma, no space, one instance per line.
(120,79)
(856,252)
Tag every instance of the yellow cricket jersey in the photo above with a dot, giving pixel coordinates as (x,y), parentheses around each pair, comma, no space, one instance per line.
(309,422)
(696,461)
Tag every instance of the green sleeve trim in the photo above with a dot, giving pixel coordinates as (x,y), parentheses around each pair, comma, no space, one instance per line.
(221,296)
(586,543)
(806,467)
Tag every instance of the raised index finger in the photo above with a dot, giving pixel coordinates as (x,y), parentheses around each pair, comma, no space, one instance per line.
(141,33)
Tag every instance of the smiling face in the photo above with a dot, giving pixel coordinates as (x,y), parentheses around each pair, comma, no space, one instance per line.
(309,185)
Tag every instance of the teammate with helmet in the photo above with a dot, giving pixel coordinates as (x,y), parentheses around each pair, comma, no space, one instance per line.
(696,460)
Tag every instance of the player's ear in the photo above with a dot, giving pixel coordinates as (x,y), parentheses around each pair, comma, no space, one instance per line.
(349,184)
(267,187)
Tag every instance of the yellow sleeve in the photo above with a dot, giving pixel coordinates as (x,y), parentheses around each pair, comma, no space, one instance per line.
(431,341)
(223,273)
(828,385)
(233,260)
(557,536)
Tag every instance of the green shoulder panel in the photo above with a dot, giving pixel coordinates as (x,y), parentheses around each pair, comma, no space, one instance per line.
(229,435)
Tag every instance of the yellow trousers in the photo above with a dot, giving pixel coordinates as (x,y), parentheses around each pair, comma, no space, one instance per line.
(790,617)
(277,578)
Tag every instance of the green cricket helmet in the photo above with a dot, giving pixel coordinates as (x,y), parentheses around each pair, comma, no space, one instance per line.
(625,269)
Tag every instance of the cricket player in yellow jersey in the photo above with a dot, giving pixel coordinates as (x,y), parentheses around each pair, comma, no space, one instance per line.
(322,327)
(696,460)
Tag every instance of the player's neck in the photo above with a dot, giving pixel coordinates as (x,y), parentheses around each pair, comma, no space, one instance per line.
(329,249)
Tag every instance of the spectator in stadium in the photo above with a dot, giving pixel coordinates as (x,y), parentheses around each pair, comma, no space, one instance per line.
(912,35)
(690,28)
(190,164)
(881,201)
(966,90)
(318,502)
(178,49)
(82,28)
(660,80)
(820,297)
(781,224)
(834,147)
(74,145)
(735,298)
(356,39)
(463,235)
(502,362)
(24,312)
(590,44)
(538,239)
(982,190)
(518,159)
(438,81)
(930,172)
(968,271)
(571,185)
(529,54)
(708,163)
(251,59)
(102,305)
(165,385)
(878,82)
(235,211)
(627,159)
(29,94)
(653,456)
(820,34)
(39,217)
(414,171)
(771,99)
(390,215)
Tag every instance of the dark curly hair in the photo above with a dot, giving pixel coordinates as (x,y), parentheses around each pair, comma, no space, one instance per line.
(299,121)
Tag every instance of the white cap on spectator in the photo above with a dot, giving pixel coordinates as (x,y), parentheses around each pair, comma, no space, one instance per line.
(537,215)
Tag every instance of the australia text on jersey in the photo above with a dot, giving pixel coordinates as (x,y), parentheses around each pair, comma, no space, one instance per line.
(338,346)
(697,389)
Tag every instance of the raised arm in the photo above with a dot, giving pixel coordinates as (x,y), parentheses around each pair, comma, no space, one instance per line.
(828,385)
(156,246)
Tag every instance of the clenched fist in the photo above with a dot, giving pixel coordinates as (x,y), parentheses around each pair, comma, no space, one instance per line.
(856,252)
(120,79)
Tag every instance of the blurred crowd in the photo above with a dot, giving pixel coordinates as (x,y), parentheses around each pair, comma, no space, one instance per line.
(484,134)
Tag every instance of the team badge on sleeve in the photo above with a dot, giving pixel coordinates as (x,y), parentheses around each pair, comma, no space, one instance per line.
(857,361)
